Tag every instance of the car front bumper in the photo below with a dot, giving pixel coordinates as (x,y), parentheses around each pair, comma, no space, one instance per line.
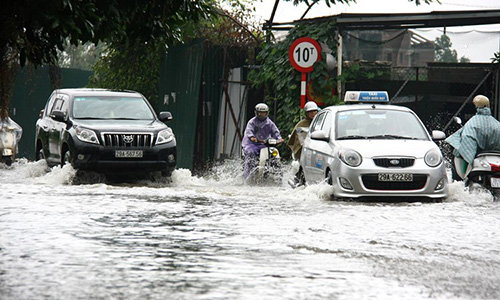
(362,181)
(93,157)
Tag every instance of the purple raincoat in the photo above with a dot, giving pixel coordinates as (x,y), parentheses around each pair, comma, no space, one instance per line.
(262,130)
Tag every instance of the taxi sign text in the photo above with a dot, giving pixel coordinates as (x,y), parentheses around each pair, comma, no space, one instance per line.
(367,96)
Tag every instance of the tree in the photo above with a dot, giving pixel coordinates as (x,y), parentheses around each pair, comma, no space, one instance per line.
(136,66)
(443,51)
(32,31)
(464,60)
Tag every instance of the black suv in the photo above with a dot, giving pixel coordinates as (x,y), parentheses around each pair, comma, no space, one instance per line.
(105,131)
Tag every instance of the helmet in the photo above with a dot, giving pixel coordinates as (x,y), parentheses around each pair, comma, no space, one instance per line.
(311,105)
(261,107)
(481,101)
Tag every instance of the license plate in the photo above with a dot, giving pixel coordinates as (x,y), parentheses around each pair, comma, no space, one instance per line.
(495,182)
(128,153)
(395,177)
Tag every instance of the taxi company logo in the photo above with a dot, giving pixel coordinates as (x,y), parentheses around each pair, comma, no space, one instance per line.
(394,162)
(128,139)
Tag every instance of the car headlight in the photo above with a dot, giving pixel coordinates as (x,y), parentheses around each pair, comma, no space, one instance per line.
(350,157)
(86,135)
(165,136)
(433,158)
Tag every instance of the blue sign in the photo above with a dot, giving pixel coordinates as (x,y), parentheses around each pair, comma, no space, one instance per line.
(366,97)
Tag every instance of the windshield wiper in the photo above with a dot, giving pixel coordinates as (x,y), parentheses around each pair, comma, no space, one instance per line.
(352,137)
(391,136)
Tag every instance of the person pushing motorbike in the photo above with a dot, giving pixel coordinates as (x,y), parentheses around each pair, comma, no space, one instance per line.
(295,142)
(258,129)
(297,137)
(480,133)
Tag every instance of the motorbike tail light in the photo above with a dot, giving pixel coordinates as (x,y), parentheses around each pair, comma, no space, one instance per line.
(495,168)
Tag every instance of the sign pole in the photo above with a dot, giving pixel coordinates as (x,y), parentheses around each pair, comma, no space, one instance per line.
(303,85)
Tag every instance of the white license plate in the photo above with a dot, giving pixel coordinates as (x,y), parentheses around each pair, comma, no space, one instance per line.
(128,153)
(495,182)
(395,177)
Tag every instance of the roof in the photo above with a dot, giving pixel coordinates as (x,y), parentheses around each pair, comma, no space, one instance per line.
(349,21)
(91,91)
(347,107)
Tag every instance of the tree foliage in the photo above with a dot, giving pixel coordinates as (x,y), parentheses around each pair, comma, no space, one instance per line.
(136,66)
(32,31)
(443,51)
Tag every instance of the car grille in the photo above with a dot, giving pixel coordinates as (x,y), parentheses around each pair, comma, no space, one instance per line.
(141,140)
(394,162)
(371,182)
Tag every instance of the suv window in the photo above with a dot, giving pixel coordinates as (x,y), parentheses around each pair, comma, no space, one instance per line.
(60,105)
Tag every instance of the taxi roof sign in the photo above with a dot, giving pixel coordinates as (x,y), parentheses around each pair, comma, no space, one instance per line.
(366,97)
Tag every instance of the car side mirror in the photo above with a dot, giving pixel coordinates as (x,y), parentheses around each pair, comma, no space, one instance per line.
(58,115)
(438,135)
(319,135)
(166,116)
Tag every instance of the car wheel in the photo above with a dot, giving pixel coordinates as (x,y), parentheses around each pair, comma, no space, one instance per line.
(39,155)
(66,158)
(329,177)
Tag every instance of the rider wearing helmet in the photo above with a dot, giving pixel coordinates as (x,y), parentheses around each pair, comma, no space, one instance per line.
(258,129)
(479,134)
(297,137)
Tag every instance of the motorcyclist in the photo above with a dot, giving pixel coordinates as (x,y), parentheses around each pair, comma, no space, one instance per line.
(297,137)
(9,146)
(479,134)
(258,129)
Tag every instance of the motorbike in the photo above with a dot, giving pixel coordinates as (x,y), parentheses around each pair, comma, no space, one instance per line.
(10,134)
(268,167)
(484,170)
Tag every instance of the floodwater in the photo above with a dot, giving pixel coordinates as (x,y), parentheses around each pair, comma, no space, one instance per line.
(213,237)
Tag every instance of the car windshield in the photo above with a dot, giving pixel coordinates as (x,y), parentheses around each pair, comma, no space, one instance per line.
(378,124)
(132,108)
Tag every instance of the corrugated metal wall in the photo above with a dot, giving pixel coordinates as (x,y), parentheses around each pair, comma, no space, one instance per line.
(179,89)
(32,88)
(191,78)
(213,73)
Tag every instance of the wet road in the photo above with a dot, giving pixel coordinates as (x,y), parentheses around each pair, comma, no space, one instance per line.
(215,238)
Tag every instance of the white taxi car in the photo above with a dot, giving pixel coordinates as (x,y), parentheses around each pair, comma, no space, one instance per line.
(370,148)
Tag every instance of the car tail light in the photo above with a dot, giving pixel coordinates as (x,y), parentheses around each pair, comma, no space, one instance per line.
(495,168)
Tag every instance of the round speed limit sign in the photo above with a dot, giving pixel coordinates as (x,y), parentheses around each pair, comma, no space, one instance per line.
(303,53)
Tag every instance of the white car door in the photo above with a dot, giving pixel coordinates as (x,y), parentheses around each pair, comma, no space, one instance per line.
(317,149)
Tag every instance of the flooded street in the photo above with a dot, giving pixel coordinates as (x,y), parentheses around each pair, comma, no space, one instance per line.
(214,238)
